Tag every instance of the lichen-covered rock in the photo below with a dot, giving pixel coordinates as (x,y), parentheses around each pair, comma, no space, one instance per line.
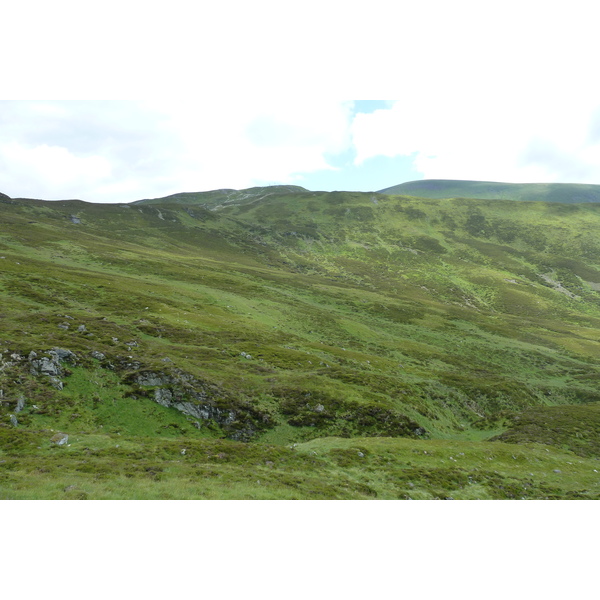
(60,439)
(45,366)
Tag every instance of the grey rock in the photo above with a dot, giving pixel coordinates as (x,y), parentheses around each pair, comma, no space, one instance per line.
(152,379)
(62,354)
(14,421)
(98,355)
(20,404)
(56,383)
(75,220)
(45,366)
(81,328)
(557,471)
(164,397)
(319,408)
(64,326)
(60,439)
(32,355)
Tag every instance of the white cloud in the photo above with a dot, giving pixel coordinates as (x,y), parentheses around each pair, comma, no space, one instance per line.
(54,166)
(539,137)
(122,151)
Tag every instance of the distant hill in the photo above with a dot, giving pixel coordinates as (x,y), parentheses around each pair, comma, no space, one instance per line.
(218,198)
(568,193)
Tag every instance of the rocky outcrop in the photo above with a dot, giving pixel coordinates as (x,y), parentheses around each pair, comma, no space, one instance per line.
(50,365)
(206,404)
(202,401)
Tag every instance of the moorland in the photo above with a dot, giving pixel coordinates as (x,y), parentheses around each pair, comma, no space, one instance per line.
(280,343)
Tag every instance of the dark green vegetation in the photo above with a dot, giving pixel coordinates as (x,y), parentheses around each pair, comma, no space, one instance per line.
(566,193)
(281,343)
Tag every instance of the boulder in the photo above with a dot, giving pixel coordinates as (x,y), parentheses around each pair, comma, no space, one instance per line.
(45,366)
(60,439)
(62,354)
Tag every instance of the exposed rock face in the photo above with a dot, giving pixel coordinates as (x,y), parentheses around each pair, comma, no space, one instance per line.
(206,412)
(207,404)
(203,401)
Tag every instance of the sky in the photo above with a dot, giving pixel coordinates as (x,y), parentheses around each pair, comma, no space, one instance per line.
(151,103)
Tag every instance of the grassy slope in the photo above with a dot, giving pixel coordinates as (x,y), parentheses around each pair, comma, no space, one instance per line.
(566,193)
(367,317)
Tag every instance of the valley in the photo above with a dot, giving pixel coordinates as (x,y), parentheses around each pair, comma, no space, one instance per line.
(278,343)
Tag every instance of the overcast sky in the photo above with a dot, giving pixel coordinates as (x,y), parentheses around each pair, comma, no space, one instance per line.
(484,91)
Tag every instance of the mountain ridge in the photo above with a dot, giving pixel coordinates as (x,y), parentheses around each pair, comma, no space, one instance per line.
(568,193)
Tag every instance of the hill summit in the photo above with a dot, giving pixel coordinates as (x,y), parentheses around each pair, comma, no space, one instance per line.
(568,193)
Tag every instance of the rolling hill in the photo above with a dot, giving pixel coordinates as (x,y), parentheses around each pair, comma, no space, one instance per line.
(566,193)
(283,343)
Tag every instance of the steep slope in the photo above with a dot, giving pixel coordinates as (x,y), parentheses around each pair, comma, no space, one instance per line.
(567,193)
(291,317)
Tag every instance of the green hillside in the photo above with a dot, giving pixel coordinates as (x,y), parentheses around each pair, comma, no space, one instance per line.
(566,193)
(281,343)
(219,198)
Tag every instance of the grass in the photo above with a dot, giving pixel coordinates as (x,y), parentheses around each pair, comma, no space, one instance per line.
(314,318)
